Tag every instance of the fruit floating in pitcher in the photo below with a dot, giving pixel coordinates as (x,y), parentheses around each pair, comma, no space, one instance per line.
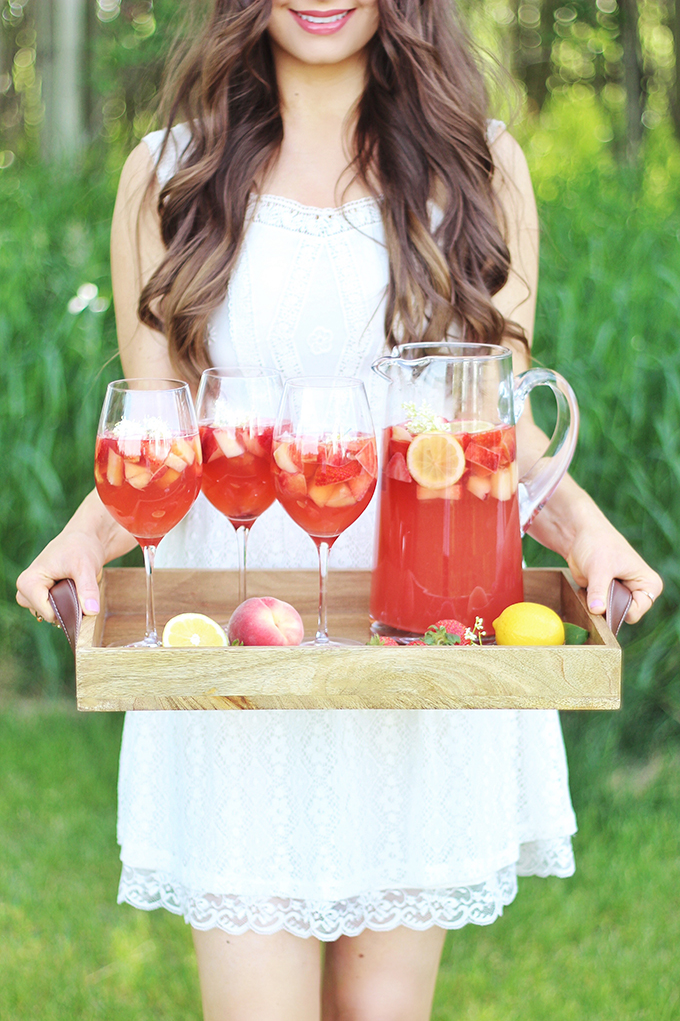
(449,541)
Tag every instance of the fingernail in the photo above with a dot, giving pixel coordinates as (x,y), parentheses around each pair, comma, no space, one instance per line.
(596,604)
(91,606)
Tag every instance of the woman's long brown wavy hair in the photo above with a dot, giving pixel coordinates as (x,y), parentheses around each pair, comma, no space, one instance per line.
(420,135)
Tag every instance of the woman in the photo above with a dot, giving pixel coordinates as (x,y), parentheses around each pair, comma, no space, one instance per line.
(333,181)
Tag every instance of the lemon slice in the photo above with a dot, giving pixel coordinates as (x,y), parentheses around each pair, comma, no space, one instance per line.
(191,630)
(435,460)
(471,425)
(528,624)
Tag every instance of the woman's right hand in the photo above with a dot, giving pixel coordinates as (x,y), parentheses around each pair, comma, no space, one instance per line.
(73,554)
(89,540)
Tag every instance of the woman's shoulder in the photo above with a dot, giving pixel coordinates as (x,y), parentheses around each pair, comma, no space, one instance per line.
(166,155)
(494,129)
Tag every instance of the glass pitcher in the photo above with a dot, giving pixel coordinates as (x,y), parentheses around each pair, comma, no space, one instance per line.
(452,506)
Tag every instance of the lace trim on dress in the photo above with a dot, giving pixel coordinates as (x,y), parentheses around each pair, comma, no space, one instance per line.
(288,214)
(479,904)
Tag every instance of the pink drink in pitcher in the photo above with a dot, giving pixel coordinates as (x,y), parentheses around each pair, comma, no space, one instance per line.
(453,507)
(448,503)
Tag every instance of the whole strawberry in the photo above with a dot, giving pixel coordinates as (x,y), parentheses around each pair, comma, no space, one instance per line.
(445,630)
(381,640)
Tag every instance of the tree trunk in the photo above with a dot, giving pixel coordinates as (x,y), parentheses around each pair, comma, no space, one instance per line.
(61,49)
(674,92)
(632,67)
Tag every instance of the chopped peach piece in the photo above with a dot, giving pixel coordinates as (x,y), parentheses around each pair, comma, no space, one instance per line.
(341,497)
(360,485)
(479,486)
(175,462)
(454,492)
(504,482)
(167,477)
(132,470)
(287,458)
(253,445)
(321,494)
(114,468)
(184,449)
(228,444)
(295,484)
(401,435)
(141,480)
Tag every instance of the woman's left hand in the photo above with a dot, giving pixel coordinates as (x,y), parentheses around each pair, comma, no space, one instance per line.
(599,554)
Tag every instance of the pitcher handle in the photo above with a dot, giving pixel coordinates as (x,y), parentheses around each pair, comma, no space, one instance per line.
(540,482)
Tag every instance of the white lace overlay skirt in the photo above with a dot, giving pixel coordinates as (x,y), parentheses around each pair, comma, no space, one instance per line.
(328,822)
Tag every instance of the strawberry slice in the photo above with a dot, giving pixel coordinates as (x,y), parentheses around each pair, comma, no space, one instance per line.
(397,469)
(328,474)
(209,444)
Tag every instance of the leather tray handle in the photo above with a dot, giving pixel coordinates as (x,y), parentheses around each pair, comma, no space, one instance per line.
(618,604)
(64,600)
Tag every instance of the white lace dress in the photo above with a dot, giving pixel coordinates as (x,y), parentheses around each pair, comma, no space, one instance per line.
(327,822)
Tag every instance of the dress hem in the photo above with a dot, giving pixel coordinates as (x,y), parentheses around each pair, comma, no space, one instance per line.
(379,911)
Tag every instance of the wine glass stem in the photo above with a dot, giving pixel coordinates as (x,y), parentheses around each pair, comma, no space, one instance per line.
(149,557)
(322,627)
(242,533)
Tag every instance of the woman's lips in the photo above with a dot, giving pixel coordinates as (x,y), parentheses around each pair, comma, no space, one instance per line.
(322,22)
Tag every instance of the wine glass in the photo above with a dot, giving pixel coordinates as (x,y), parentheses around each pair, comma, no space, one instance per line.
(236,412)
(147,465)
(325,465)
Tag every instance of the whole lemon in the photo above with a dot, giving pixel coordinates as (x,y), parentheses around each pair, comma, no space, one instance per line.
(528,624)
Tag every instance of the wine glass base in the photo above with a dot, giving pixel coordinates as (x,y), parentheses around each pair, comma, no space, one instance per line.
(329,643)
(150,642)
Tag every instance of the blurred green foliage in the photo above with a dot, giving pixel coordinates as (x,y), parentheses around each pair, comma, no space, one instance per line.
(54,235)
(608,319)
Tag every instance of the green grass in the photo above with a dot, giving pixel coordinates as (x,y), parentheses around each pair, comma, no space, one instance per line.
(54,237)
(601,945)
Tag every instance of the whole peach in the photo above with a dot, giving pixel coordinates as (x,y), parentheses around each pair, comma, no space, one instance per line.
(263,620)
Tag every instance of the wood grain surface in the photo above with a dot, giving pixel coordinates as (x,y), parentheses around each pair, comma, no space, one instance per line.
(109,677)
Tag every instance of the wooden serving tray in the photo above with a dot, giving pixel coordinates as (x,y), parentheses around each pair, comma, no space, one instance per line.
(112,678)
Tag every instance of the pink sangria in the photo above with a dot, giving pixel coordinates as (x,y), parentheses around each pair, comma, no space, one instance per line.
(325,484)
(448,503)
(147,483)
(147,466)
(237,470)
(325,465)
(452,505)
(236,411)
